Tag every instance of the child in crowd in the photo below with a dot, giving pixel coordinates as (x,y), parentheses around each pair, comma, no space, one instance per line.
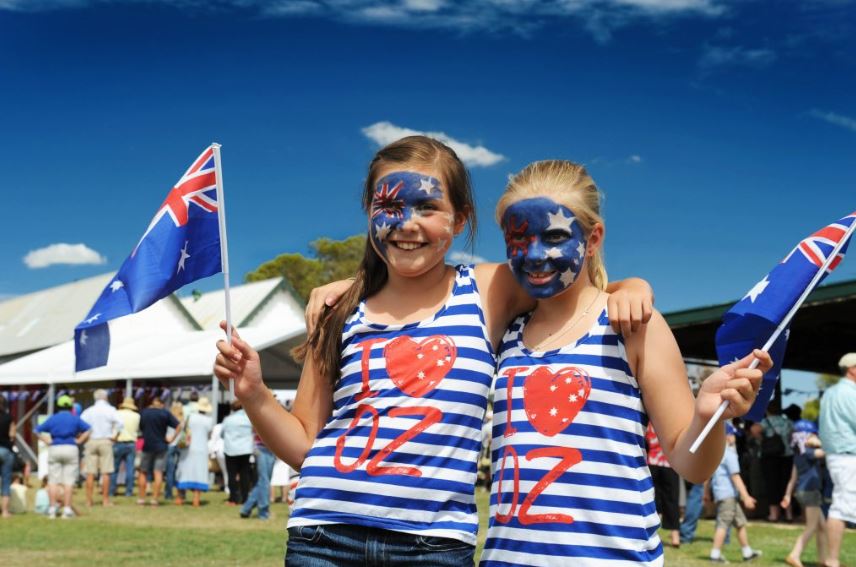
(806,484)
(18,495)
(727,485)
(573,398)
(386,426)
(42,501)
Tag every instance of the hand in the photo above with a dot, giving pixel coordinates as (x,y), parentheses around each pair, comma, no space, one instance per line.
(749,503)
(322,297)
(786,501)
(239,362)
(630,306)
(735,383)
(705,498)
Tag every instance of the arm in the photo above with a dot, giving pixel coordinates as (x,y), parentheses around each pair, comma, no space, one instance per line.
(656,362)
(289,435)
(630,305)
(13,430)
(82,437)
(789,490)
(747,500)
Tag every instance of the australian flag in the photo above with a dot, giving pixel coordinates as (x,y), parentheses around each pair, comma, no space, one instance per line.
(181,244)
(752,321)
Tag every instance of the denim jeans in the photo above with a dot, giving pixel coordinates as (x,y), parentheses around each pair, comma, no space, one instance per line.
(123,452)
(340,545)
(7,461)
(260,494)
(172,455)
(692,512)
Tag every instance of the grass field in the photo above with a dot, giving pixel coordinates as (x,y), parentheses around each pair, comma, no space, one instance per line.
(129,535)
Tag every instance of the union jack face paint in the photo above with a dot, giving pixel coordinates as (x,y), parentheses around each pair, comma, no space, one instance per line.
(545,245)
(399,198)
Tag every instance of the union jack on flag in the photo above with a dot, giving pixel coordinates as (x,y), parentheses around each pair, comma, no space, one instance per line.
(751,322)
(180,245)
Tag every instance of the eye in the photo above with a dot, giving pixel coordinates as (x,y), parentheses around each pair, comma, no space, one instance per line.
(556,237)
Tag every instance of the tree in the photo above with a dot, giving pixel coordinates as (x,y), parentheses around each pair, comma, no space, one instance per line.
(826,381)
(332,260)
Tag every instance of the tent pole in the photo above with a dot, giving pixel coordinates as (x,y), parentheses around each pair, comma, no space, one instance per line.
(215,395)
(51,398)
(129,387)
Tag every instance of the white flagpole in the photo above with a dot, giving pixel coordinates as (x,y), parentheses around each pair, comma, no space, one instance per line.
(782,326)
(224,251)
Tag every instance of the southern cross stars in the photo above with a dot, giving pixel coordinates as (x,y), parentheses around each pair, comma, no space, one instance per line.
(116,285)
(184,257)
(558,221)
(757,290)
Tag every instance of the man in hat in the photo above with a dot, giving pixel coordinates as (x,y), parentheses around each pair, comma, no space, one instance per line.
(154,422)
(63,432)
(125,448)
(838,435)
(98,454)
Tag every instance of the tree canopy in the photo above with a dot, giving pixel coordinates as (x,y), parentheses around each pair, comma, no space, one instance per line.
(330,260)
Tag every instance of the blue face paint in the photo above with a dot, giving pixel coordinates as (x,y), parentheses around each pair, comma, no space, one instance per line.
(545,245)
(399,198)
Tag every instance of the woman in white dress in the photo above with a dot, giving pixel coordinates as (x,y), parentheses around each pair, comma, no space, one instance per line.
(193,462)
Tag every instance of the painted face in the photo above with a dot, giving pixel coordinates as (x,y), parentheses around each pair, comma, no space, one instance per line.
(545,245)
(410,218)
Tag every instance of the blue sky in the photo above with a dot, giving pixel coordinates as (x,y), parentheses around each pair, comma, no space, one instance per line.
(722,132)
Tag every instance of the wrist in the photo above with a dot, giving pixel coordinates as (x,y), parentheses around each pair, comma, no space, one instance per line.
(255,397)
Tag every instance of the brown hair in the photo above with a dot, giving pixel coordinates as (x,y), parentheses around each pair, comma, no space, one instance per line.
(567,183)
(324,341)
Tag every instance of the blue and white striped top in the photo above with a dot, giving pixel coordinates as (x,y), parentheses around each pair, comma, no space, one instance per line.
(570,481)
(401,448)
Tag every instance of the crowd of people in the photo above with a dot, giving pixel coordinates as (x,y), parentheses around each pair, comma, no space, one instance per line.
(152,449)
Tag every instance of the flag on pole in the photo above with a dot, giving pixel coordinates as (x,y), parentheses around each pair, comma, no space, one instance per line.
(753,320)
(180,245)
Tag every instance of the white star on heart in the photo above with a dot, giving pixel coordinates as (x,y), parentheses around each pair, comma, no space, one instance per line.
(553,412)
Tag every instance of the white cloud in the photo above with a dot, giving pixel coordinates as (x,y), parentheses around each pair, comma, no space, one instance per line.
(634,159)
(385,132)
(833,118)
(463,257)
(62,253)
(715,56)
(522,17)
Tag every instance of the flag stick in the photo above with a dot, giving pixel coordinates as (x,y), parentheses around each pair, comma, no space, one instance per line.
(224,252)
(782,326)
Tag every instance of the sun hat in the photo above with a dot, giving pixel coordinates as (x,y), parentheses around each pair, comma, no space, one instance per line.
(805,426)
(64,401)
(128,403)
(847,361)
(204,405)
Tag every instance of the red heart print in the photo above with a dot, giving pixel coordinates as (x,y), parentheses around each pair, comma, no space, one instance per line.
(552,400)
(416,368)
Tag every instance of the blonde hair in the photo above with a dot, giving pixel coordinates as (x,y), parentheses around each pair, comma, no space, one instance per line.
(177,410)
(566,183)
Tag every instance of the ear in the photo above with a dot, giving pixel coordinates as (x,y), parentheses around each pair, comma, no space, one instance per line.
(460,221)
(595,239)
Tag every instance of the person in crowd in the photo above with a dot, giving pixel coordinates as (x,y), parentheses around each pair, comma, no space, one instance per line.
(154,422)
(215,452)
(838,435)
(98,458)
(191,406)
(805,484)
(18,495)
(362,363)
(192,471)
(260,494)
(125,448)
(692,511)
(7,457)
(179,442)
(237,432)
(777,457)
(667,490)
(727,485)
(63,433)
(42,502)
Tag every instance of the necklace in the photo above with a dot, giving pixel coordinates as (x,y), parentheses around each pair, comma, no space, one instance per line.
(565,329)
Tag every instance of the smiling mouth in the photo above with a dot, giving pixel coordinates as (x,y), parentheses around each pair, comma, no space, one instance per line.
(407,245)
(540,278)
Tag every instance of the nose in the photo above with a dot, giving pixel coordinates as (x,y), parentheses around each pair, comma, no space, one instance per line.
(536,253)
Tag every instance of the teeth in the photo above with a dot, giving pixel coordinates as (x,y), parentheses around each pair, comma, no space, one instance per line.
(540,274)
(408,245)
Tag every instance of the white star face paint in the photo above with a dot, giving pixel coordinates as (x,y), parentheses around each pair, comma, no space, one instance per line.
(412,222)
(545,245)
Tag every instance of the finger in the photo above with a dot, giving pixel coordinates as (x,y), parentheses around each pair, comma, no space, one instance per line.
(234,330)
(744,362)
(245,350)
(647,310)
(223,374)
(743,387)
(612,309)
(231,365)
(755,377)
(226,349)
(765,361)
(635,316)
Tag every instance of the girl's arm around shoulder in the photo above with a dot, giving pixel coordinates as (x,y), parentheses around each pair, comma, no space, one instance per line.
(502,298)
(678,418)
(289,435)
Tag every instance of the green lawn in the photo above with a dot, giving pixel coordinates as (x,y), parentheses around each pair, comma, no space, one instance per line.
(129,535)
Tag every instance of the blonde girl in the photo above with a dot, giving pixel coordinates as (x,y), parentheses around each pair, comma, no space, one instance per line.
(573,397)
(386,425)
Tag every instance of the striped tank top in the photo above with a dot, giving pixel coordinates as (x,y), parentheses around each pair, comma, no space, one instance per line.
(401,448)
(570,482)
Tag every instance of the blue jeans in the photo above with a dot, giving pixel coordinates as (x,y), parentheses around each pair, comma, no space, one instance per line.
(172,455)
(341,545)
(260,494)
(125,452)
(692,512)
(7,461)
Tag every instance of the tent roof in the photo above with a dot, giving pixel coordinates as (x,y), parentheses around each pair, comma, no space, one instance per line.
(208,308)
(821,331)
